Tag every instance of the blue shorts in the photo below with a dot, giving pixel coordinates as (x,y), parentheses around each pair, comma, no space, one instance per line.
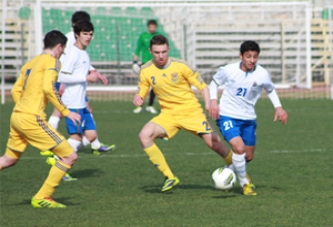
(57,86)
(87,122)
(231,128)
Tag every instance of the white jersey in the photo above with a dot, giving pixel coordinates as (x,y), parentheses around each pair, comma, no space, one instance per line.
(70,43)
(75,68)
(241,90)
(70,40)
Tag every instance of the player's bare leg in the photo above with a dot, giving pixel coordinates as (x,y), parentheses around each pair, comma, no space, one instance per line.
(249,151)
(148,134)
(6,161)
(214,142)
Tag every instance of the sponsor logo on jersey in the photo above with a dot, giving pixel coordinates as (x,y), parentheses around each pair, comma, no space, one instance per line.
(254,84)
(163,75)
(174,77)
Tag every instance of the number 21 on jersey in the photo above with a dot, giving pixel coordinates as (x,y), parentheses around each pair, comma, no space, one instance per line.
(241,91)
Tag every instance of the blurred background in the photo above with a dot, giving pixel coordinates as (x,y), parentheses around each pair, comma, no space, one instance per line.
(296,39)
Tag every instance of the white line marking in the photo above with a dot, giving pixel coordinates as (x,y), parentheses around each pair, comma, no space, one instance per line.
(110,155)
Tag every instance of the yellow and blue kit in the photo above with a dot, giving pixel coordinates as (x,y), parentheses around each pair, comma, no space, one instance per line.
(180,109)
(31,93)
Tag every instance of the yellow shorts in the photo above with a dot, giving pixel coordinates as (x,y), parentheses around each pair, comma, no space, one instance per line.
(30,129)
(196,123)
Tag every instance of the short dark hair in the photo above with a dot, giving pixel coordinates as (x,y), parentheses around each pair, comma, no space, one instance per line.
(83,26)
(53,38)
(80,16)
(158,40)
(249,45)
(152,22)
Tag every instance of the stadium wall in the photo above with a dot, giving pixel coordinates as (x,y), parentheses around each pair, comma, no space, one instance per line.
(205,33)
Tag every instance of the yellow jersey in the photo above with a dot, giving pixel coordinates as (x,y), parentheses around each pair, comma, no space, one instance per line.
(36,85)
(172,86)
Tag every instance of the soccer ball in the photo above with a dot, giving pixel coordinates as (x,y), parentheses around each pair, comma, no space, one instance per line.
(224,178)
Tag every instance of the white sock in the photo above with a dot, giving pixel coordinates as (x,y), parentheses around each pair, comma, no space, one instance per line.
(85,141)
(96,144)
(54,121)
(75,144)
(239,164)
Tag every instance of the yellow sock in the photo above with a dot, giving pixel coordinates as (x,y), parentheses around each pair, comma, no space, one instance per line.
(57,172)
(157,158)
(0,167)
(228,158)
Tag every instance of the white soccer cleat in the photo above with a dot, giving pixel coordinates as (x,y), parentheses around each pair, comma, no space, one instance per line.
(151,109)
(137,110)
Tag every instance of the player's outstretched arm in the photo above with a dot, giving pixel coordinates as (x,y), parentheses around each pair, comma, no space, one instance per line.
(281,115)
(100,77)
(92,76)
(206,96)
(214,106)
(214,109)
(137,100)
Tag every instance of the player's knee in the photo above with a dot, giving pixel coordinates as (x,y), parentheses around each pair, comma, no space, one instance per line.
(70,159)
(145,138)
(239,149)
(143,135)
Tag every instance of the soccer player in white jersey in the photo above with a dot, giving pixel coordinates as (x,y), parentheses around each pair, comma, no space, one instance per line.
(74,75)
(243,83)
(96,145)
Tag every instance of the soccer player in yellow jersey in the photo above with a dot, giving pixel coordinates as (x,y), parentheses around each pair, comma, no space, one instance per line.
(31,93)
(171,80)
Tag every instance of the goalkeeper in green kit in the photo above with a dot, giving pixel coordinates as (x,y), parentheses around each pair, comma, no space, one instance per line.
(143,45)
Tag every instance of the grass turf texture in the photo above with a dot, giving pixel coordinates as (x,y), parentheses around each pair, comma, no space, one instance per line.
(292,171)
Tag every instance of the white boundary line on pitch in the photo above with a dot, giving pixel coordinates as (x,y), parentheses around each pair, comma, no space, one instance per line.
(318,150)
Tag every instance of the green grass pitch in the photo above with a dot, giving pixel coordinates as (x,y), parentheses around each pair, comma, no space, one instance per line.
(292,170)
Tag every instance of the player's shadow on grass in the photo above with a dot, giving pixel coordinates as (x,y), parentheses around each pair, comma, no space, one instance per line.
(84,173)
(64,200)
(225,195)
(157,188)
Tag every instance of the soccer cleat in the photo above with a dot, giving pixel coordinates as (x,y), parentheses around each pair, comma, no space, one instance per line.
(151,109)
(248,190)
(137,109)
(68,177)
(51,161)
(249,179)
(46,153)
(103,148)
(45,203)
(169,183)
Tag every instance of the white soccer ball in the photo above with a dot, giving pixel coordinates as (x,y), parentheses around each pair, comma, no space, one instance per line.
(224,178)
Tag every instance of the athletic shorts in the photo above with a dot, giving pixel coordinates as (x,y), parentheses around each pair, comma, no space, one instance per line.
(87,122)
(231,128)
(196,123)
(30,129)
(57,86)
